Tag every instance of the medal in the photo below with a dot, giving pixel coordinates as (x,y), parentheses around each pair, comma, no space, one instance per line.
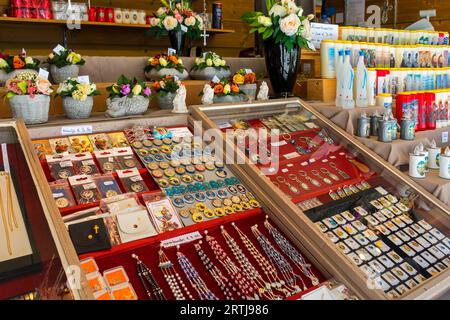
(163,183)
(219,164)
(157,173)
(180,170)
(152,166)
(210,195)
(197,217)
(157,142)
(254,203)
(229,210)
(87,194)
(147,159)
(153,151)
(227,202)
(86,169)
(200,167)
(199,177)
(200,206)
(64,173)
(190,169)
(188,198)
(174,181)
(217,203)
(108,166)
(237,207)
(62,203)
(186,178)
(241,188)
(200,196)
(110,193)
(158,157)
(137,145)
(164,165)
(167,141)
(169,172)
(142,152)
(209,213)
(243,197)
(165,149)
(147,143)
(178,202)
(220,212)
(129,163)
(222,194)
(232,189)
(221,173)
(210,166)
(175,163)
(235,199)
(245,206)
(184,213)
(137,187)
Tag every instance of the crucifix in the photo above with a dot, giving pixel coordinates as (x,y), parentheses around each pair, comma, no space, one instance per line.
(204,35)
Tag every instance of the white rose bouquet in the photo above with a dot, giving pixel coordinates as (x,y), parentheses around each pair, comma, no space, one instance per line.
(176,15)
(285,23)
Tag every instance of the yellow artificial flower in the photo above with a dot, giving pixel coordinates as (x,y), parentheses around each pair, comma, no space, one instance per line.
(238,79)
(79,95)
(73,58)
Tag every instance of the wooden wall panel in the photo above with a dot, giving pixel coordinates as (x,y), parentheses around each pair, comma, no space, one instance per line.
(408,11)
(95,40)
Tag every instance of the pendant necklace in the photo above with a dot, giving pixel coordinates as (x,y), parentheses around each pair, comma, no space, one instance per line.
(292,188)
(342,173)
(328,173)
(194,278)
(145,275)
(246,286)
(291,252)
(224,284)
(317,174)
(172,277)
(266,266)
(248,268)
(303,174)
(277,258)
(293,177)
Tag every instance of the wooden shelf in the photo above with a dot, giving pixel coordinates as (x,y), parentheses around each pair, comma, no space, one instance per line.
(13,20)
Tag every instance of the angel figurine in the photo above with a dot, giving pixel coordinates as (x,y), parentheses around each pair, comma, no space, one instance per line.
(263,93)
(208,95)
(179,102)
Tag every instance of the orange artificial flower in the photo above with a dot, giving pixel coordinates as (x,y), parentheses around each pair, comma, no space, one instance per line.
(218,89)
(18,63)
(156,85)
(173,59)
(250,78)
(234,88)
(154,62)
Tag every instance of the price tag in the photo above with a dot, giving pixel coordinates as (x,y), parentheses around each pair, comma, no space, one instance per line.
(171,51)
(58,195)
(445,137)
(247,71)
(83,79)
(223,125)
(284,170)
(186,238)
(215,79)
(323,31)
(43,73)
(181,132)
(175,77)
(184,28)
(108,183)
(59,49)
(291,155)
(75,130)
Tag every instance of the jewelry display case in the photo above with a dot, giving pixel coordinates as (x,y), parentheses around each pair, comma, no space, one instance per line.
(205,236)
(32,261)
(381,232)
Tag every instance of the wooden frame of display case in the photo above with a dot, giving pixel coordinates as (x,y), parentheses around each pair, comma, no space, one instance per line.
(347,272)
(276,212)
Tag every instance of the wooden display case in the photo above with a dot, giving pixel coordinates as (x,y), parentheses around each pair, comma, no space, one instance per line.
(426,205)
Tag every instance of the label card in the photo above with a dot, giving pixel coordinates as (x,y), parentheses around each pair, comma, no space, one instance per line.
(445,137)
(43,73)
(59,49)
(75,130)
(184,28)
(171,52)
(186,238)
(83,79)
(323,31)
(215,79)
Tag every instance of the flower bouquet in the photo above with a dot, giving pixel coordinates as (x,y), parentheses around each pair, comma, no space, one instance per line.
(127,97)
(29,97)
(77,98)
(285,31)
(163,65)
(226,91)
(208,66)
(10,66)
(64,65)
(177,19)
(246,80)
(165,90)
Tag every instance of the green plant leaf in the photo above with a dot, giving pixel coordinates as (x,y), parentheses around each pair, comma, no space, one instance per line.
(10,94)
(22,86)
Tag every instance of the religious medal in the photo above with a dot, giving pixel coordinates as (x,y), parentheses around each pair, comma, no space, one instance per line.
(129,163)
(178,202)
(209,213)
(62,203)
(152,166)
(210,195)
(137,187)
(111,193)
(157,173)
(186,178)
(199,177)
(220,212)
(228,210)
(222,194)
(64,173)
(163,183)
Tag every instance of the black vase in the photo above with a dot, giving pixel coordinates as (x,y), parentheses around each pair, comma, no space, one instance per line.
(282,67)
(179,42)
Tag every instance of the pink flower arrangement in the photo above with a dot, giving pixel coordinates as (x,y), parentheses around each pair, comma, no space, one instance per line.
(27,84)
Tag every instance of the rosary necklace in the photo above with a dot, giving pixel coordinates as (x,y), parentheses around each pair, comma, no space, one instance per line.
(291,252)
(172,277)
(9,217)
(194,278)
(264,287)
(224,284)
(145,275)
(246,286)
(265,265)
(277,258)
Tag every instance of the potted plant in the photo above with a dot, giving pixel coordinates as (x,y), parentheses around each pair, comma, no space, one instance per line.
(226,91)
(246,80)
(209,66)
(127,97)
(10,66)
(285,32)
(29,97)
(64,65)
(163,65)
(177,19)
(165,90)
(77,98)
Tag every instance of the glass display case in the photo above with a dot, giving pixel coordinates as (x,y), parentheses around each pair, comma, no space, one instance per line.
(155,212)
(32,263)
(386,235)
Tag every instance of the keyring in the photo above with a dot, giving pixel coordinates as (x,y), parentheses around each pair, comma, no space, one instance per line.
(302,173)
(287,136)
(281,179)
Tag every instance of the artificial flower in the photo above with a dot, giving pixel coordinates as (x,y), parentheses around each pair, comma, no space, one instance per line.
(3,63)
(180,61)
(51,55)
(79,95)
(292,7)
(226,89)
(179,17)
(170,23)
(161,11)
(147,91)
(154,62)
(29,60)
(174,59)
(218,89)
(137,89)
(217,62)
(306,31)
(290,24)
(234,88)
(163,62)
(156,85)
(238,79)
(115,89)
(73,57)
(250,78)
(209,62)
(125,89)
(278,10)
(190,21)
(43,86)
(265,21)
(18,63)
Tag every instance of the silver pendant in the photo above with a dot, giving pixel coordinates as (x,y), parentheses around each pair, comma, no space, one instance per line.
(333,176)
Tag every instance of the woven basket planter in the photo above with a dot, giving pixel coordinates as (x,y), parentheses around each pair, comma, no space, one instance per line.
(76,109)
(31,110)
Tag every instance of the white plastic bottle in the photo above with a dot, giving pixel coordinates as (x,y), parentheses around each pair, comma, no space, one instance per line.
(339,77)
(348,76)
(361,82)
